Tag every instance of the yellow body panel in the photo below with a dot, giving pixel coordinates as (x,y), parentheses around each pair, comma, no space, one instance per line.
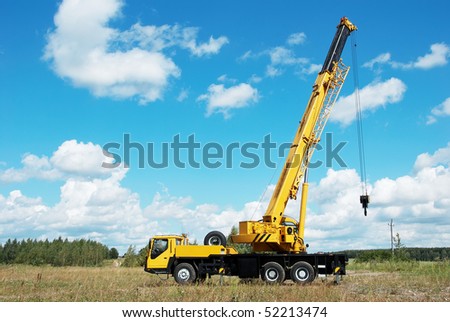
(202,250)
(177,246)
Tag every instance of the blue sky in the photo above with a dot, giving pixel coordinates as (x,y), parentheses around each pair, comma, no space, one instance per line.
(77,75)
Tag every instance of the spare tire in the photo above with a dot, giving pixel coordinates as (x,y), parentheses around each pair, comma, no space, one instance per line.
(215,238)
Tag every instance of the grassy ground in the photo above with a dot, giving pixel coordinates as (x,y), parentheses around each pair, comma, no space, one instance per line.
(413,281)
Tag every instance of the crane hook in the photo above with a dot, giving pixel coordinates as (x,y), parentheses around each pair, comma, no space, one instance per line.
(364,200)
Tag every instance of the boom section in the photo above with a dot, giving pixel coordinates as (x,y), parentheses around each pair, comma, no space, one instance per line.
(325,91)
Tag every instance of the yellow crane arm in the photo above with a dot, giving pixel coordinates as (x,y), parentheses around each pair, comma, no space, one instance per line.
(325,91)
(277,232)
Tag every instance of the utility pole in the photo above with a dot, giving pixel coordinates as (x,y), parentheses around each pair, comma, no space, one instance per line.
(392,236)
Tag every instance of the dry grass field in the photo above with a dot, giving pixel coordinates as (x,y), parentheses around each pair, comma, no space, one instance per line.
(413,281)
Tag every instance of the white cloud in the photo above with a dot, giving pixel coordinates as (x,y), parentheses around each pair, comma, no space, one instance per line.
(184,94)
(247,55)
(440,157)
(212,47)
(312,69)
(380,59)
(158,38)
(438,56)
(32,167)
(71,159)
(441,110)
(372,97)
(225,79)
(281,57)
(84,49)
(222,100)
(80,159)
(296,38)
(92,202)
(255,79)
(102,209)
(418,203)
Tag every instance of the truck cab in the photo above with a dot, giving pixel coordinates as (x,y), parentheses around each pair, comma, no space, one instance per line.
(172,255)
(161,250)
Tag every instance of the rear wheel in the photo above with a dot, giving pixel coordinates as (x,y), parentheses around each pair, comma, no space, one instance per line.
(215,238)
(302,273)
(184,273)
(273,273)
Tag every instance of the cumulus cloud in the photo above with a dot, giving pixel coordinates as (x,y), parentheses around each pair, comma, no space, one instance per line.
(442,110)
(92,202)
(426,160)
(102,209)
(32,167)
(220,99)
(84,49)
(71,159)
(438,56)
(372,97)
(419,204)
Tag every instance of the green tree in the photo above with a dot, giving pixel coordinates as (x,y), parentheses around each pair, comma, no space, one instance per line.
(113,253)
(400,252)
(131,259)
(241,248)
(142,256)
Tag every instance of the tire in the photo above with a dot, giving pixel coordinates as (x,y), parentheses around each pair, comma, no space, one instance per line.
(184,273)
(302,273)
(273,273)
(215,238)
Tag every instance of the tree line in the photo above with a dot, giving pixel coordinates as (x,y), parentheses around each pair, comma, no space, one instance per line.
(59,252)
(404,253)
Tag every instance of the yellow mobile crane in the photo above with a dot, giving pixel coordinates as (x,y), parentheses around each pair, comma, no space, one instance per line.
(279,251)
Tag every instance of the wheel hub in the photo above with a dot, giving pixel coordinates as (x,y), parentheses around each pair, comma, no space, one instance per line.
(302,274)
(183,274)
(272,274)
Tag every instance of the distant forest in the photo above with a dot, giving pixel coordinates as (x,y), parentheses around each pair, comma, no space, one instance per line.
(404,253)
(82,252)
(59,252)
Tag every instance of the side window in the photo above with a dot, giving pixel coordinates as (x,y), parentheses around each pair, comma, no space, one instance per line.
(159,246)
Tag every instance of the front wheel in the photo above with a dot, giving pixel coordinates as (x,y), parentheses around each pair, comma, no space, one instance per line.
(302,273)
(184,273)
(273,273)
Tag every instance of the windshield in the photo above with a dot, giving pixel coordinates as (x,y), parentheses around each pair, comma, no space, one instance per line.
(159,246)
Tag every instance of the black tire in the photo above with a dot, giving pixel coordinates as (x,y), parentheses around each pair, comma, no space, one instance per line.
(302,273)
(273,273)
(215,238)
(184,273)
